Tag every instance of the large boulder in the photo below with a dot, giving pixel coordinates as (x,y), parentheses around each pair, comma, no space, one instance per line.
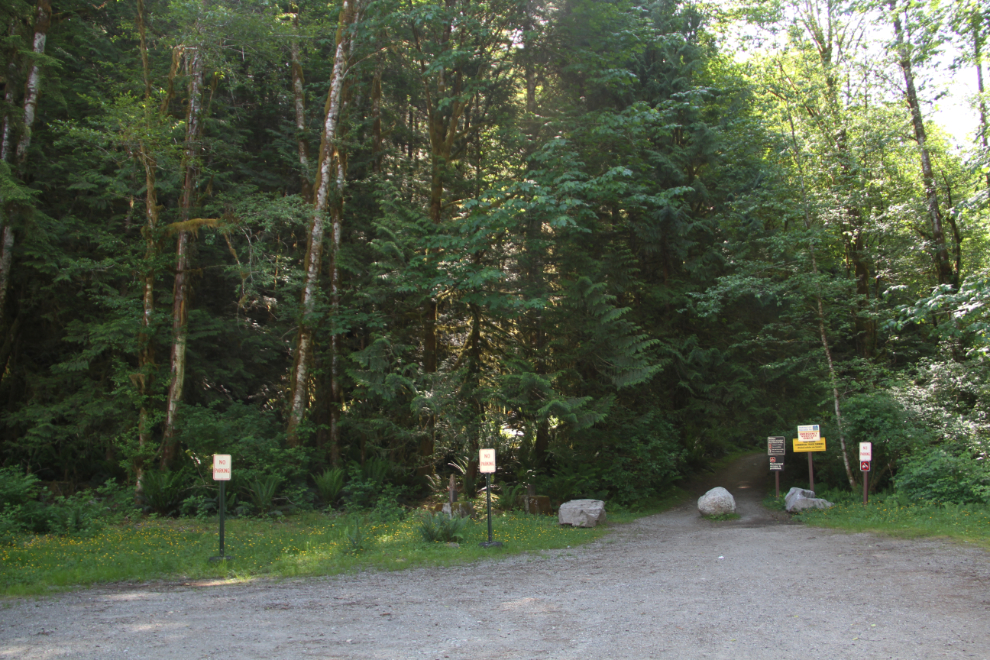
(581,513)
(800,499)
(716,502)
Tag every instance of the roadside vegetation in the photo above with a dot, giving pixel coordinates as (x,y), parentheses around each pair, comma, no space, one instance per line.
(114,541)
(894,514)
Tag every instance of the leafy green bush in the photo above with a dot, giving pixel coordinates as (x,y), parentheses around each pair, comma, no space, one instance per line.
(262,490)
(937,475)
(329,484)
(441,528)
(512,497)
(161,491)
(16,487)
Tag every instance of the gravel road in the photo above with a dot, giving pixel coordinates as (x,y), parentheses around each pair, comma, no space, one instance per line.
(668,586)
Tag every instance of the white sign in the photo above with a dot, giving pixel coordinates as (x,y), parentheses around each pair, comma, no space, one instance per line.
(486,461)
(809,433)
(866,451)
(221,467)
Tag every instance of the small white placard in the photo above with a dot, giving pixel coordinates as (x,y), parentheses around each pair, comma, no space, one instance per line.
(809,433)
(221,467)
(486,461)
(866,451)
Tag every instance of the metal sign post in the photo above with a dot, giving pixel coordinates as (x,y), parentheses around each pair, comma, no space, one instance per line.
(221,473)
(486,464)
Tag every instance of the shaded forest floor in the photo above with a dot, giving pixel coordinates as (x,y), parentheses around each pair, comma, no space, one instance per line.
(673,585)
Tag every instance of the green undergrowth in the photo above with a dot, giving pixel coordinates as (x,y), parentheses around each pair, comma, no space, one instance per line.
(891,516)
(304,545)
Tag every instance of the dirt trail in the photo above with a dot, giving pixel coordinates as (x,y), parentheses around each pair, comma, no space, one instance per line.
(668,586)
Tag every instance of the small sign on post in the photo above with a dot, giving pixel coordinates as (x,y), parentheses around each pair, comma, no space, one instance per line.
(866,451)
(486,465)
(809,440)
(221,473)
(776,448)
(865,456)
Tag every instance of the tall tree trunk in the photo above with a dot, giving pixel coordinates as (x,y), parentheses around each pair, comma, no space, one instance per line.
(327,175)
(180,290)
(943,269)
(820,310)
(975,22)
(146,349)
(7,133)
(299,96)
(32,88)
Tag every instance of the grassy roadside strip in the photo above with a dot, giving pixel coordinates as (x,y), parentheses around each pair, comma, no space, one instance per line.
(968,523)
(304,545)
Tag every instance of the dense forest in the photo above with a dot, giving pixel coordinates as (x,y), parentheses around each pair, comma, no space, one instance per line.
(355,243)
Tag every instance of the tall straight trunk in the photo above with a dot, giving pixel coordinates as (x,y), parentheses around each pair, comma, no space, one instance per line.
(976,20)
(7,132)
(146,349)
(376,118)
(32,89)
(180,290)
(336,391)
(943,269)
(299,97)
(820,311)
(328,175)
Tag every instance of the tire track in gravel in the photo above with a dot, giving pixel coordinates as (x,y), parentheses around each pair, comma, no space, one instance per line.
(667,586)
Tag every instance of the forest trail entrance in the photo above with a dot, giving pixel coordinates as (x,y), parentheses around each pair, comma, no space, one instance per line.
(668,586)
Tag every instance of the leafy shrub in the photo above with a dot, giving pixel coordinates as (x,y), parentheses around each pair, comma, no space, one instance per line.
(10,524)
(387,509)
(441,528)
(937,475)
(262,490)
(16,487)
(76,515)
(355,540)
(376,470)
(329,484)
(161,492)
(512,497)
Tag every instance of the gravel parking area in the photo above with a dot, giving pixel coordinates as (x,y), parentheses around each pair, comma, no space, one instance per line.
(668,586)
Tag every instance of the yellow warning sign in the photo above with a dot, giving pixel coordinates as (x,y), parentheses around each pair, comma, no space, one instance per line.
(800,445)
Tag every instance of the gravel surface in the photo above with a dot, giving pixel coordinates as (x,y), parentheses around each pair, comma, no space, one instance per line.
(668,586)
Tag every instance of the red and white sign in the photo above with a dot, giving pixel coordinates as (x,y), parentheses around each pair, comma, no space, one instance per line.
(809,433)
(221,467)
(486,461)
(864,466)
(866,451)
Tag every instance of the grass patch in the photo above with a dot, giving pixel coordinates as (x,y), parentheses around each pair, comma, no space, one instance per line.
(888,515)
(722,517)
(309,544)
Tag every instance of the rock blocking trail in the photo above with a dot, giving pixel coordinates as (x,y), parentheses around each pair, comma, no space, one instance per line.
(668,586)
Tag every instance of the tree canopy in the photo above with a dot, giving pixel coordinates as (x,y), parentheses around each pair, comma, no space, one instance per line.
(593,234)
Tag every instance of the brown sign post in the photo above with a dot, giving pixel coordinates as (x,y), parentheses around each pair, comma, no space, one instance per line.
(776,447)
(865,456)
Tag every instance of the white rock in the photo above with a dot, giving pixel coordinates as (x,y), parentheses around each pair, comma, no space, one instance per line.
(716,502)
(581,513)
(799,499)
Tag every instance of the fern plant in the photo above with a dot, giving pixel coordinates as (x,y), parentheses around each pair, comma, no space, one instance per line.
(329,484)
(262,491)
(441,528)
